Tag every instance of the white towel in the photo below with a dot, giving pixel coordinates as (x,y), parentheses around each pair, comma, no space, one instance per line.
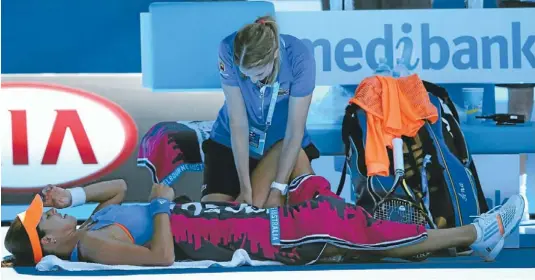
(240,258)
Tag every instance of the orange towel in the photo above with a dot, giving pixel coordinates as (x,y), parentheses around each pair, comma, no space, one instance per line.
(394,107)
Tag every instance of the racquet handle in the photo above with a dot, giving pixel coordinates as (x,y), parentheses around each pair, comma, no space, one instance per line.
(399,165)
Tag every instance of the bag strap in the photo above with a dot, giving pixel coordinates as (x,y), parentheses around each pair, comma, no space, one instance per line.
(342,180)
(411,160)
(443,95)
(346,134)
(458,139)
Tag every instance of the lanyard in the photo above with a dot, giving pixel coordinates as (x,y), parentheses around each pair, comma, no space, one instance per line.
(272,103)
(274,95)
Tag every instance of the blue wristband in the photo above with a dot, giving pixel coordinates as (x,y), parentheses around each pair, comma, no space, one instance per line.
(160,205)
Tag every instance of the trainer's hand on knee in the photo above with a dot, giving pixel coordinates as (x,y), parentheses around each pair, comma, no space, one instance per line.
(162,191)
(246,196)
(274,199)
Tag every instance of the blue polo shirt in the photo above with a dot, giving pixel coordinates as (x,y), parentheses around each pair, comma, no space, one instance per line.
(297,77)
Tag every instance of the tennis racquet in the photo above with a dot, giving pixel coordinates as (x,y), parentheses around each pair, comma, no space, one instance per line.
(409,210)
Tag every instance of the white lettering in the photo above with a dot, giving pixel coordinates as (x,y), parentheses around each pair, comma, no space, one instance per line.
(198,208)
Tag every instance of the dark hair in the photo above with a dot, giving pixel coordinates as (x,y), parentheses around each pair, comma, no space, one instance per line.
(17,243)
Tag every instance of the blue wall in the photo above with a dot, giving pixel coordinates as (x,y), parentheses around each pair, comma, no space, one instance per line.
(72,36)
(81,36)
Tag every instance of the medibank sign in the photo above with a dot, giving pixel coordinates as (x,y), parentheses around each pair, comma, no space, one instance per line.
(443,46)
(468,52)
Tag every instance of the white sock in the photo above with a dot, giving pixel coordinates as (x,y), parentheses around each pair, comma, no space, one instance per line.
(523,180)
(523,192)
(523,185)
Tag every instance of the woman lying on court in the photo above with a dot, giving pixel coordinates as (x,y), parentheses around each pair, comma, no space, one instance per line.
(314,225)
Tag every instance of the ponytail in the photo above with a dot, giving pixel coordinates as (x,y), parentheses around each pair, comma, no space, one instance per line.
(258,44)
(270,23)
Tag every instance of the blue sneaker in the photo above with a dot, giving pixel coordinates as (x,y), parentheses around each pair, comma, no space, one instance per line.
(494,226)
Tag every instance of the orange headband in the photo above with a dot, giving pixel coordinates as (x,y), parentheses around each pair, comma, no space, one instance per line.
(30,219)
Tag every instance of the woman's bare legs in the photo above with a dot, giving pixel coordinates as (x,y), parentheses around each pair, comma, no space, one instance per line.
(216,197)
(266,170)
(437,239)
(265,173)
(485,236)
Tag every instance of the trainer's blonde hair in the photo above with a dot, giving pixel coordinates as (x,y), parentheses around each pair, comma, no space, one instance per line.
(257,44)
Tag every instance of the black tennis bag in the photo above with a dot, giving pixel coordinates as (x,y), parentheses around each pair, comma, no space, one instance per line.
(440,176)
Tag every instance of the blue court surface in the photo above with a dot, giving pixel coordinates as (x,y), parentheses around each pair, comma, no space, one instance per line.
(509,258)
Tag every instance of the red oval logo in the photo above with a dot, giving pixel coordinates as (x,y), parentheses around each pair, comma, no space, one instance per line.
(62,136)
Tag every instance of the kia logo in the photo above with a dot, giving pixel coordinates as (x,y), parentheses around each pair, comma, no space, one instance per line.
(53,134)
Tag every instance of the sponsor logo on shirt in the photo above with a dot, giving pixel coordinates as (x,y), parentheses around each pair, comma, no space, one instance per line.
(222,69)
(283,91)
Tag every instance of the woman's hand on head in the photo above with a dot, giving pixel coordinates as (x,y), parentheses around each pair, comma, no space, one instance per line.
(162,191)
(56,197)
